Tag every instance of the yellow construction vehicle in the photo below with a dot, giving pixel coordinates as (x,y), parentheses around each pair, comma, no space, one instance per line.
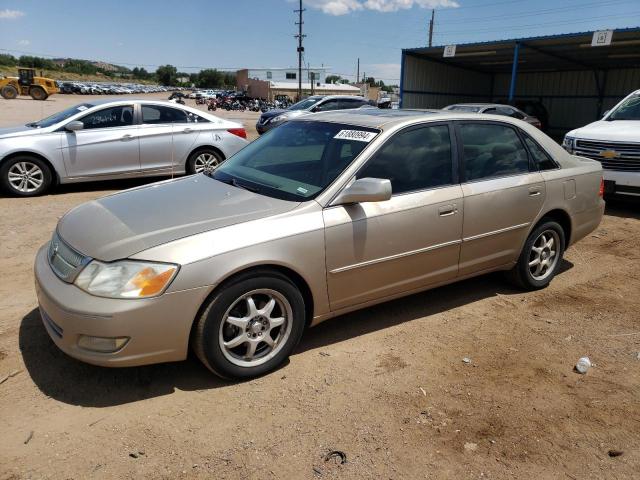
(27,83)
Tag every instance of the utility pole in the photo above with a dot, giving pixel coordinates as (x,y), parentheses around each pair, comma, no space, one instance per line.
(358,72)
(300,36)
(433,14)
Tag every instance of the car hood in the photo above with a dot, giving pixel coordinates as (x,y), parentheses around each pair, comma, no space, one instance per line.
(121,225)
(19,131)
(615,131)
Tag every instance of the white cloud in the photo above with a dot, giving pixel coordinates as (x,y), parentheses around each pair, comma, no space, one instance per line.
(7,14)
(24,43)
(343,7)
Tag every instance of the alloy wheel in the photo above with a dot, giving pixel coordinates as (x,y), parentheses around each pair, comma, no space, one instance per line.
(25,177)
(543,256)
(255,327)
(205,163)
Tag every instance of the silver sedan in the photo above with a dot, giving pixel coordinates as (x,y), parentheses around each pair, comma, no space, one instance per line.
(105,140)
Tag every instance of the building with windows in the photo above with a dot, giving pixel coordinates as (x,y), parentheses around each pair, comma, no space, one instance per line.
(272,83)
(281,74)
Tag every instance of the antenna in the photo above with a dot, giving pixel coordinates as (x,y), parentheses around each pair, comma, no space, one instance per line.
(300,36)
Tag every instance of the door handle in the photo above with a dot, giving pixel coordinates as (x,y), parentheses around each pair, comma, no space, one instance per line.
(447,210)
(187,130)
(127,137)
(534,191)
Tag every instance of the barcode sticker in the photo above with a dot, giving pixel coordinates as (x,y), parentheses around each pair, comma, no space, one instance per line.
(359,135)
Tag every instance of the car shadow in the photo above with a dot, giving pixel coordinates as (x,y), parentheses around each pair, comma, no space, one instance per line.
(623,208)
(70,381)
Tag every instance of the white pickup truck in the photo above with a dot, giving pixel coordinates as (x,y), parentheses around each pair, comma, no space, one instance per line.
(615,142)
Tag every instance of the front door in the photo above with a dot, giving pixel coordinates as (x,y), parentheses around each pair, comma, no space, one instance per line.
(166,138)
(379,249)
(107,145)
(503,194)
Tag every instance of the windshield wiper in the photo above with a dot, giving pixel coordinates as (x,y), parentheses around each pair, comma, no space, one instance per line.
(235,183)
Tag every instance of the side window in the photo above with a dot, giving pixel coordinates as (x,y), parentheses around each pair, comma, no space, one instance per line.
(329,105)
(120,116)
(290,76)
(351,103)
(542,159)
(491,150)
(152,114)
(414,159)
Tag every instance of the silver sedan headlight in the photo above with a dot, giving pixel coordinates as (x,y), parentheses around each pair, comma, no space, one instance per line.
(280,118)
(126,279)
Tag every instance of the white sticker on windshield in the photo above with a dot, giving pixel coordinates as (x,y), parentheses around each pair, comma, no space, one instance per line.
(302,190)
(82,108)
(359,135)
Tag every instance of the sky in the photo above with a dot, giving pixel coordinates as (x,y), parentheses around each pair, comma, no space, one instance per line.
(196,34)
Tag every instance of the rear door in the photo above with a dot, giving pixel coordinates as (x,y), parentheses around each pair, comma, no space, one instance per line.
(378,249)
(503,194)
(166,137)
(107,145)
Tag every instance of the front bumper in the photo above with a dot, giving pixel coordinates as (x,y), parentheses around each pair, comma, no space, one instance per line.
(158,328)
(621,183)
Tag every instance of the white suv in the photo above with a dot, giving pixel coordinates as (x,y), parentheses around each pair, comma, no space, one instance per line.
(615,142)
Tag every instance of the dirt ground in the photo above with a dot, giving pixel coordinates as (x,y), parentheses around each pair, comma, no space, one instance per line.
(387,385)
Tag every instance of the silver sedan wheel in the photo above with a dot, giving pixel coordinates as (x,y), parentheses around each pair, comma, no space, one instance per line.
(544,254)
(255,327)
(205,163)
(25,177)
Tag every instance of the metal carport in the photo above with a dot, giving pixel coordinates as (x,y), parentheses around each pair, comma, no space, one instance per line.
(575,81)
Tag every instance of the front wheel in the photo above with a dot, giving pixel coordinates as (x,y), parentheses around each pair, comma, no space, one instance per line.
(540,258)
(25,176)
(38,93)
(203,161)
(9,92)
(251,326)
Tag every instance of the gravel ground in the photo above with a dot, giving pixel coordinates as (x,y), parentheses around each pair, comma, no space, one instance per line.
(386,385)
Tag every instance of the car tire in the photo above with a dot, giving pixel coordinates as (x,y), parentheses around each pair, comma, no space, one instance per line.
(540,258)
(37,180)
(38,93)
(9,92)
(229,336)
(203,161)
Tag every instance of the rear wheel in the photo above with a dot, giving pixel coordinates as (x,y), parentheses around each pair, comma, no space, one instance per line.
(25,176)
(203,161)
(540,257)
(9,92)
(250,326)
(38,93)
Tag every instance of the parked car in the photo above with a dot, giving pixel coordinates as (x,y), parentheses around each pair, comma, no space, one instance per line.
(496,109)
(614,141)
(103,140)
(313,104)
(326,214)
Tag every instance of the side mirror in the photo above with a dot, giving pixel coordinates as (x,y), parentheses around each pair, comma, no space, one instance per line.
(365,190)
(74,126)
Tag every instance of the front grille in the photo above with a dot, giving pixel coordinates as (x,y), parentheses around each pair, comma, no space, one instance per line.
(626,157)
(64,260)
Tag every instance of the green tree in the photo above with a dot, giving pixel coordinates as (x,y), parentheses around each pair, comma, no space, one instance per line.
(210,78)
(167,74)
(8,60)
(333,79)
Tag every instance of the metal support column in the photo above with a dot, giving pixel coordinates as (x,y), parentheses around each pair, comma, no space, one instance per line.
(514,72)
(402,60)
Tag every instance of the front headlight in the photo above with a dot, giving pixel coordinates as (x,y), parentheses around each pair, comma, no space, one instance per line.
(568,143)
(279,118)
(126,279)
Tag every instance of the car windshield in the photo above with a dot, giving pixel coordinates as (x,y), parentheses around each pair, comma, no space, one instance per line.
(297,160)
(60,116)
(304,104)
(628,110)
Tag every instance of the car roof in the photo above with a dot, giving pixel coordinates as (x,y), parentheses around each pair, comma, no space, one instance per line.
(481,105)
(386,119)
